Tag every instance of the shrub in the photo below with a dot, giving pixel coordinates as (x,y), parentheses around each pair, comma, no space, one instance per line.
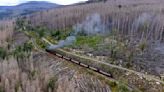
(90,41)
(51,83)
(60,34)
(142,46)
(113,84)
(27,47)
(2,89)
(40,43)
(123,88)
(3,53)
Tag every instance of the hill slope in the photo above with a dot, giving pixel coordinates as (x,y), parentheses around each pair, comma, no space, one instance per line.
(25,8)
